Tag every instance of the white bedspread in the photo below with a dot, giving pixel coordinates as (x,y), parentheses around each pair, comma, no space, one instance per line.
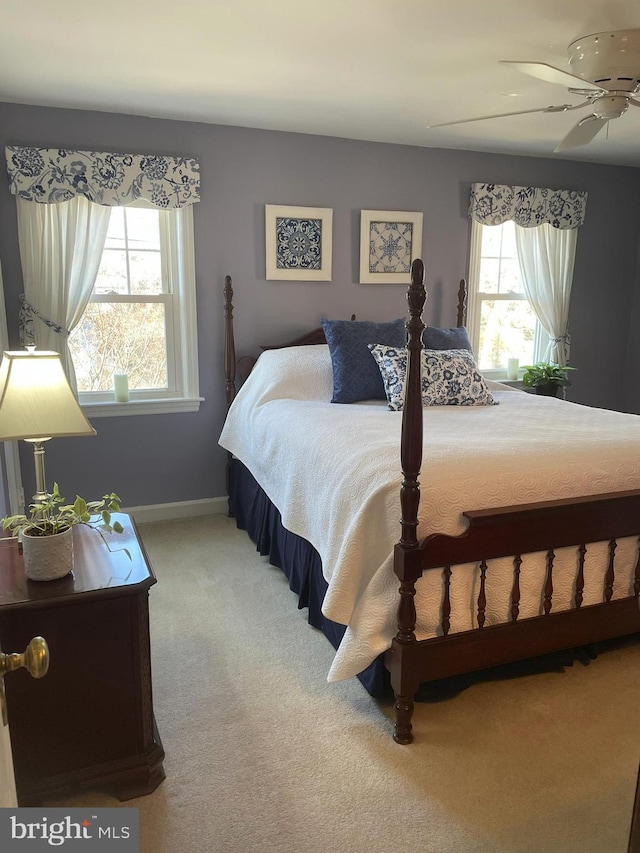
(333,471)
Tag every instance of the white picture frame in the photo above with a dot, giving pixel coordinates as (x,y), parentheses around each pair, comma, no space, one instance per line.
(298,243)
(390,240)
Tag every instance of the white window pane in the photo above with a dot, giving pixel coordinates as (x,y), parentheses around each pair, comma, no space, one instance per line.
(120,338)
(507,330)
(112,274)
(143,228)
(489,275)
(509,249)
(491,240)
(115,232)
(131,338)
(145,272)
(510,279)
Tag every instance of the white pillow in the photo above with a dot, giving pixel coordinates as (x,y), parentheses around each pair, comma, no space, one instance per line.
(449,377)
(292,373)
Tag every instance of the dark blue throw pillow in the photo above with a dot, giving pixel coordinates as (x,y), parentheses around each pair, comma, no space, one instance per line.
(457,338)
(355,373)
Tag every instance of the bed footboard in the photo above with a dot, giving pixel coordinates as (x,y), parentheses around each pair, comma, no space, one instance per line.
(513,532)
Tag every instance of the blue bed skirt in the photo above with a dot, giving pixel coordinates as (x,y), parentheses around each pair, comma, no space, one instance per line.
(299,561)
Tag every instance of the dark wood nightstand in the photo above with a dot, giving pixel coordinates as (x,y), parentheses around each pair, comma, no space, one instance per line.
(89,722)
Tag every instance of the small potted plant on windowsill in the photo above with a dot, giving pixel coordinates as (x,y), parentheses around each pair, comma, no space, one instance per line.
(46,532)
(546,377)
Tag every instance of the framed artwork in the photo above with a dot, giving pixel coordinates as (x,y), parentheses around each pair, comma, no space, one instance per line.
(298,242)
(389,241)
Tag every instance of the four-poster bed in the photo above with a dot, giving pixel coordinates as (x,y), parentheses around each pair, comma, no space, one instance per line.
(552,594)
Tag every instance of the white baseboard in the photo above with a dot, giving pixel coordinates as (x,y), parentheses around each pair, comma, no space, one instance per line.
(179,509)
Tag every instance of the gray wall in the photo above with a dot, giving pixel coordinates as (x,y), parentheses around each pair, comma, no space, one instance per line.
(162,458)
(631,386)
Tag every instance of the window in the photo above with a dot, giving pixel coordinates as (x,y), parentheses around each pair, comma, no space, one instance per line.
(502,324)
(140,319)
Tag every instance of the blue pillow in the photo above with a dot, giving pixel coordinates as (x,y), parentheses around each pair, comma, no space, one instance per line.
(458,338)
(355,374)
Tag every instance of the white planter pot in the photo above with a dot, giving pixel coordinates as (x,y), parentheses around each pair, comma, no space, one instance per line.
(47,557)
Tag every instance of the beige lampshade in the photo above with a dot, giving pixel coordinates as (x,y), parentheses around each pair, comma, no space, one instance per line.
(36,400)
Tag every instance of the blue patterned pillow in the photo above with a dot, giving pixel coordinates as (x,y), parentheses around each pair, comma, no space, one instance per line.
(452,378)
(355,374)
(458,338)
(449,377)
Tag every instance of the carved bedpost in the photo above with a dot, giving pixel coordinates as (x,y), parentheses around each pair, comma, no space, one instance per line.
(411,441)
(229,365)
(462,303)
(407,558)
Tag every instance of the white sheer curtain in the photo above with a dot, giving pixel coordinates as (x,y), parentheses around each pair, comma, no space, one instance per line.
(546,256)
(60,249)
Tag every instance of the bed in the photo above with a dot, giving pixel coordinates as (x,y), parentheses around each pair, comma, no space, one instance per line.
(518,523)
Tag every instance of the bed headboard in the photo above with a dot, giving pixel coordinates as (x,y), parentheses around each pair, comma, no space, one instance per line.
(241,368)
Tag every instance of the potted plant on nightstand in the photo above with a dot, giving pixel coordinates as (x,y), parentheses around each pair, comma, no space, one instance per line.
(546,377)
(46,532)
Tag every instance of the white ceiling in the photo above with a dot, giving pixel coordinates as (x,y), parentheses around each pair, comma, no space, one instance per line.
(381,70)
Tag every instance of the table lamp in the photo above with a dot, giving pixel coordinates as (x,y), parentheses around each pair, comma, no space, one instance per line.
(37,404)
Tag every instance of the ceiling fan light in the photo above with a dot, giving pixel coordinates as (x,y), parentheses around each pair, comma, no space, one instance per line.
(611,106)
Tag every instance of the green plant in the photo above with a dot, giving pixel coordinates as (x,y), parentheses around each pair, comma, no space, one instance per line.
(544,373)
(52,515)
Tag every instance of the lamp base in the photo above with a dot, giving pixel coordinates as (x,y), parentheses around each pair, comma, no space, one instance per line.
(41,493)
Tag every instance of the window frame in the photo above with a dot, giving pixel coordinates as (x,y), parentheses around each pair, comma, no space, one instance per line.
(474,306)
(178,271)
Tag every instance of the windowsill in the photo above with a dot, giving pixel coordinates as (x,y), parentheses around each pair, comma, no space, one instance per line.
(514,383)
(110,408)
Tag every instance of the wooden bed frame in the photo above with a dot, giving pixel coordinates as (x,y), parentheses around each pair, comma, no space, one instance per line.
(502,532)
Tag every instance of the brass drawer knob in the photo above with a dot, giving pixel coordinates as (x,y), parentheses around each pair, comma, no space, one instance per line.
(35,659)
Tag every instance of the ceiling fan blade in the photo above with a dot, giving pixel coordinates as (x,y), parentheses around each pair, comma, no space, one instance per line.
(582,133)
(551,74)
(562,108)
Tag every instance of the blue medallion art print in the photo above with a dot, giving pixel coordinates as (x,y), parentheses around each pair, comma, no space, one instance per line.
(298,243)
(390,245)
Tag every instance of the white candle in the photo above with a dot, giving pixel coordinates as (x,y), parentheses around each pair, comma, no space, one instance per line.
(512,368)
(121,387)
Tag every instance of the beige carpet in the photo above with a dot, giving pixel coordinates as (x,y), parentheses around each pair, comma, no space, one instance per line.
(264,756)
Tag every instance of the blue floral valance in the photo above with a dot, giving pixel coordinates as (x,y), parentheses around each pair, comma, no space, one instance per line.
(493,204)
(52,175)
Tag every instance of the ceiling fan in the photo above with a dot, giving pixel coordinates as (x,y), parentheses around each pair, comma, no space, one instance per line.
(605,72)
